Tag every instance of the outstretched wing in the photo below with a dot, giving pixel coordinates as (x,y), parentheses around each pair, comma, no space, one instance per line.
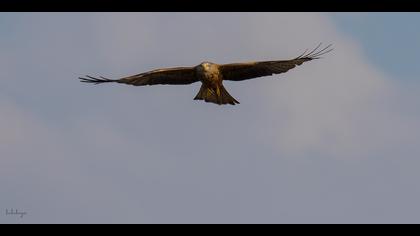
(178,75)
(250,70)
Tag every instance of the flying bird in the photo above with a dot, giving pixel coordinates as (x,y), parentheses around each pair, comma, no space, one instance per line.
(211,75)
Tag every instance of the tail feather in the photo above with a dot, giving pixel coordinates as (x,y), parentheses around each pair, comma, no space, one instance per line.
(218,96)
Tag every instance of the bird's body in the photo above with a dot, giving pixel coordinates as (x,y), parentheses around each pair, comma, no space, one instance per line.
(211,75)
(212,89)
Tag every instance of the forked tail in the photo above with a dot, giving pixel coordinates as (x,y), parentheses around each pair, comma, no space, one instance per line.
(218,96)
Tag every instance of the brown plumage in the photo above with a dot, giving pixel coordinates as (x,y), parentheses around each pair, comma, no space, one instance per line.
(212,75)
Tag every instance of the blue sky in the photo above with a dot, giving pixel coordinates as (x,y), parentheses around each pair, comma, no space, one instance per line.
(331,141)
(395,34)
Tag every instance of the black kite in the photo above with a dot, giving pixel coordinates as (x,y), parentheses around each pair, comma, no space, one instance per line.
(211,75)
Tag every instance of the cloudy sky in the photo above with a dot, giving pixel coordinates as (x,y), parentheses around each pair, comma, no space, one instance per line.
(333,141)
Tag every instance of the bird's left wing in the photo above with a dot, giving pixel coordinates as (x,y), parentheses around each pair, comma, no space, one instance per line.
(177,75)
(250,70)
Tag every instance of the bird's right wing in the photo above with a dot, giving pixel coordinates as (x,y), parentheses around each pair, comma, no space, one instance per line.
(250,70)
(177,75)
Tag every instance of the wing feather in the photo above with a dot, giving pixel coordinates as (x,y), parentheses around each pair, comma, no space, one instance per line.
(175,76)
(251,70)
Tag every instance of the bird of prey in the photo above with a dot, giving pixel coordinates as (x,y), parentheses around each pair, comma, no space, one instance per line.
(211,75)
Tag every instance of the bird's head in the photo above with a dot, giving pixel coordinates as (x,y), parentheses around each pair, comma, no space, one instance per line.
(206,65)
